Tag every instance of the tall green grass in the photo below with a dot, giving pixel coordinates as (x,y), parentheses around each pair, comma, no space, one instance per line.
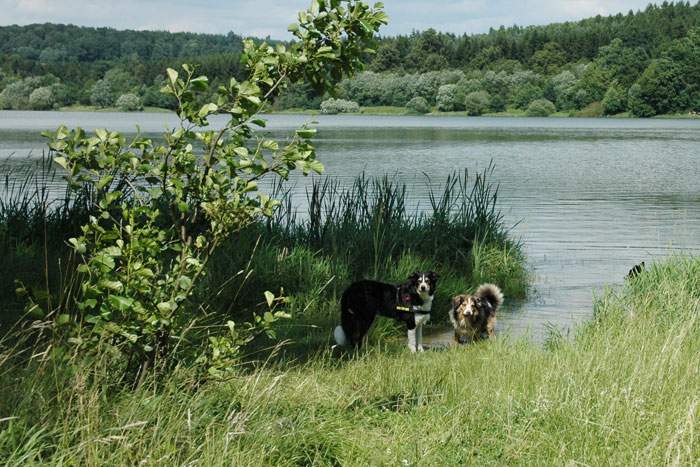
(624,391)
(370,229)
(309,252)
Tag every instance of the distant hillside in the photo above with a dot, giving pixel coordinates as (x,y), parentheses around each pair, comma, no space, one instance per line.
(649,29)
(48,65)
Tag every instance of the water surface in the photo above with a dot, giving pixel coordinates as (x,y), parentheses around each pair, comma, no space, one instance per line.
(588,197)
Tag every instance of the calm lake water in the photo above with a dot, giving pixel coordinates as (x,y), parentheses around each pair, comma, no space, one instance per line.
(590,197)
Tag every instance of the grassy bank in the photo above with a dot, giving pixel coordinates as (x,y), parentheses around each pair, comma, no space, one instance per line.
(624,391)
(92,108)
(585,113)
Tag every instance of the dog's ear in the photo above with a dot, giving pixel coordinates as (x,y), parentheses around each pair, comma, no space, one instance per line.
(432,275)
(413,278)
(457,301)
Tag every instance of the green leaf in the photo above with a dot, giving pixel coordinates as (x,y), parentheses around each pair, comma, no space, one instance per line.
(316,166)
(172,75)
(185,283)
(104,181)
(241,151)
(165,307)
(200,83)
(61,161)
(306,133)
(121,303)
(62,320)
(269,297)
(207,109)
(78,245)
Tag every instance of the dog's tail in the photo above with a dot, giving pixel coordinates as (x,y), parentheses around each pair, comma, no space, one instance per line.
(491,293)
(340,337)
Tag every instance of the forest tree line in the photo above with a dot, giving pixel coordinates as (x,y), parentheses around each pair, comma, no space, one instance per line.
(645,63)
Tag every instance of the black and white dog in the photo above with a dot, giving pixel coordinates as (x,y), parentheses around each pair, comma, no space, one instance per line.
(409,302)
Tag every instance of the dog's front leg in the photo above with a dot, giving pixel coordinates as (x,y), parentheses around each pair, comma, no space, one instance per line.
(412,339)
(419,337)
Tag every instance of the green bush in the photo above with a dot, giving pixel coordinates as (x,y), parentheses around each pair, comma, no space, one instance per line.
(592,110)
(449,97)
(101,94)
(41,99)
(339,106)
(129,102)
(660,89)
(476,103)
(419,105)
(615,100)
(540,108)
(526,94)
(161,207)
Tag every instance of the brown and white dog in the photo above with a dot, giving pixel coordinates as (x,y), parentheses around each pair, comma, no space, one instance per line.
(474,315)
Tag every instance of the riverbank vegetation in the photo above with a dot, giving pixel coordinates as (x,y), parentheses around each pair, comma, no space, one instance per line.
(643,63)
(622,390)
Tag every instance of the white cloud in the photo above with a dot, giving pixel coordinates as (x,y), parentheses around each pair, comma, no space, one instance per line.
(268,17)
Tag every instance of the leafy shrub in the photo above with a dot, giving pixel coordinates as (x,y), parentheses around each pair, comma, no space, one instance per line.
(419,105)
(339,106)
(102,94)
(592,110)
(449,98)
(615,100)
(540,108)
(129,102)
(526,94)
(563,89)
(477,102)
(636,103)
(659,90)
(41,99)
(162,209)
(15,96)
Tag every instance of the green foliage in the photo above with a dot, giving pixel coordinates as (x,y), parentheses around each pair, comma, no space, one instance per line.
(562,90)
(592,85)
(478,102)
(419,105)
(128,102)
(162,209)
(548,59)
(620,47)
(16,95)
(336,106)
(41,98)
(592,110)
(619,390)
(449,97)
(615,100)
(620,63)
(526,94)
(540,108)
(102,94)
(660,89)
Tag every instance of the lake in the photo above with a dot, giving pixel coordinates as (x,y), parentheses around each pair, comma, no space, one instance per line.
(589,198)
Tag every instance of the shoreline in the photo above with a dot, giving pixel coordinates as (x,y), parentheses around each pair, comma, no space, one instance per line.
(384,112)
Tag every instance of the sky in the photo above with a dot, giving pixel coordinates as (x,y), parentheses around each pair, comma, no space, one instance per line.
(262,18)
